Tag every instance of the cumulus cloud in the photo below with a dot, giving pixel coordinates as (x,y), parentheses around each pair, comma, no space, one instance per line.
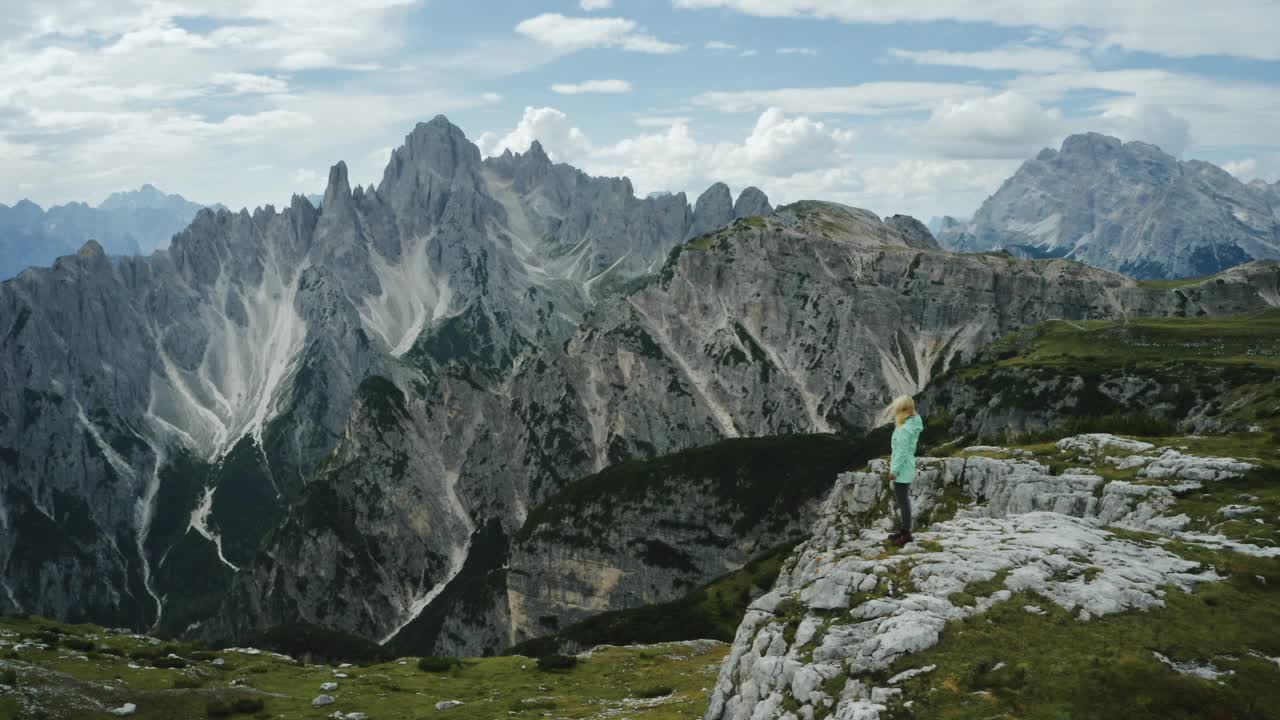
(550,127)
(1005,125)
(719,45)
(613,87)
(590,5)
(778,148)
(579,33)
(797,51)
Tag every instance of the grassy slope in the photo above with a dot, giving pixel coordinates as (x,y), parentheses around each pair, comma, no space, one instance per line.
(1224,368)
(490,687)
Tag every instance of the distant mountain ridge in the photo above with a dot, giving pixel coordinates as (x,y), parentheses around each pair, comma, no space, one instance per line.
(133,222)
(1128,207)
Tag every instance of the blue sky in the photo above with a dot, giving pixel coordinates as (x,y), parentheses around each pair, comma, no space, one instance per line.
(918,106)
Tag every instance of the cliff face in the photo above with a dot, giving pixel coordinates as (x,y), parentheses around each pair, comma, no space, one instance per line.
(857,629)
(343,416)
(1127,207)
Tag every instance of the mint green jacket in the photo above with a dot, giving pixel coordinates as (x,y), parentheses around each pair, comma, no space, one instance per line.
(903,462)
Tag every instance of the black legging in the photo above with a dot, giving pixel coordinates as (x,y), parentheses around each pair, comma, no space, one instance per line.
(901,491)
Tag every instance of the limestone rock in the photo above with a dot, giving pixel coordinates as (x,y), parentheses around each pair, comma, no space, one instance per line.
(1127,207)
(752,202)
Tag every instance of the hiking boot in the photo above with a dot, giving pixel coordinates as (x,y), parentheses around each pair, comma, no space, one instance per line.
(893,536)
(902,539)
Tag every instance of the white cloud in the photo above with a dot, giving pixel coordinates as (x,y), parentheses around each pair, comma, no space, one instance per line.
(874,98)
(1178,28)
(590,5)
(577,33)
(797,51)
(1019,57)
(550,127)
(750,53)
(1215,110)
(309,182)
(719,45)
(611,87)
(780,147)
(249,83)
(1005,125)
(1149,123)
(1244,169)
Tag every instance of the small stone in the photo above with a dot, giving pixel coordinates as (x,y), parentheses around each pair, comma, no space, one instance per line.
(329,686)
(1034,609)
(126,709)
(219,662)
(447,704)
(339,675)
(356,716)
(1262,580)
(322,700)
(345,665)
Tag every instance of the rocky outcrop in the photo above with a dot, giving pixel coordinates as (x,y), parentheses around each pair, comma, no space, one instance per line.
(913,231)
(713,210)
(996,523)
(1127,207)
(752,202)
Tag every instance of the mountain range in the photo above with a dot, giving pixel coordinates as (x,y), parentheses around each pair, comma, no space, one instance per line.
(1128,207)
(352,416)
(126,223)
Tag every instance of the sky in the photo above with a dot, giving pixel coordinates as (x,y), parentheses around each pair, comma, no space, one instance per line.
(915,106)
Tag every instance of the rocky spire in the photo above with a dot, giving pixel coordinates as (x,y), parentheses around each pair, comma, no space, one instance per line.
(752,202)
(714,209)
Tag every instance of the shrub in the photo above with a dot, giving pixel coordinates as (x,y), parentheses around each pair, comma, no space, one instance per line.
(111,651)
(654,691)
(80,644)
(438,664)
(168,663)
(186,682)
(226,708)
(9,677)
(146,653)
(557,662)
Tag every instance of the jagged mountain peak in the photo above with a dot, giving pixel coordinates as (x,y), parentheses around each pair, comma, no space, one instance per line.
(1124,206)
(338,189)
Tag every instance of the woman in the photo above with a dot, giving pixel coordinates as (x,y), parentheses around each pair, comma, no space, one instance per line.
(902,464)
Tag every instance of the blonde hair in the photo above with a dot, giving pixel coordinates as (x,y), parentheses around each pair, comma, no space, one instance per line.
(902,408)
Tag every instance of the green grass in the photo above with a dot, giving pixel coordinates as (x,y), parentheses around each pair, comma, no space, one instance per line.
(1058,667)
(489,687)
